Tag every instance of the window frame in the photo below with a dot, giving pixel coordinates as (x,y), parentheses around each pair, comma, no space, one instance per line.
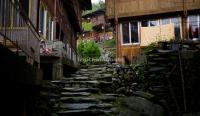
(198,24)
(130,41)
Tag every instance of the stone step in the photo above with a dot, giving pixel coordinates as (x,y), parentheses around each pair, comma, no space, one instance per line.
(165,51)
(77,78)
(81,84)
(78,100)
(96,69)
(159,59)
(158,89)
(103,78)
(114,95)
(77,82)
(107,99)
(107,75)
(82,113)
(152,51)
(75,94)
(159,63)
(82,106)
(152,63)
(143,94)
(95,75)
(76,75)
(92,83)
(91,90)
(153,55)
(83,70)
(96,66)
(85,74)
(157,69)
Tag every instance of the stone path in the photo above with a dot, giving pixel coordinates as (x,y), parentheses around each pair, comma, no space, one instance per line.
(88,92)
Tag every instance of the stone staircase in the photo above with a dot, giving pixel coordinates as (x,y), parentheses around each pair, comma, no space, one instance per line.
(88,92)
(162,68)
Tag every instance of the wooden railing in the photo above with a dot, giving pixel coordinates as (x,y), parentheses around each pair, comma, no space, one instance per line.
(58,49)
(16,27)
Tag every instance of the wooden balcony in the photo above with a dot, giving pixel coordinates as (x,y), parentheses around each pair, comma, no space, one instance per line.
(58,49)
(21,40)
(16,30)
(130,8)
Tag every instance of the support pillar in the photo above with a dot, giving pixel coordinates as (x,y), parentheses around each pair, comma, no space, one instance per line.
(184,28)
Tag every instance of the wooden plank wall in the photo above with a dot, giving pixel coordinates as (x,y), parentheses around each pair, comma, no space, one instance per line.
(33,12)
(127,8)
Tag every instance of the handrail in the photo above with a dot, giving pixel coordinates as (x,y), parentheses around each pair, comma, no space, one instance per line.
(28,21)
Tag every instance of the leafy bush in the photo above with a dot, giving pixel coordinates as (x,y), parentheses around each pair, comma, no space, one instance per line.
(87,26)
(112,53)
(109,43)
(148,48)
(89,49)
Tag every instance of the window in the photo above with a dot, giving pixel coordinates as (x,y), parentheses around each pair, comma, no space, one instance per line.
(10,15)
(154,23)
(129,32)
(145,23)
(125,29)
(165,21)
(49,29)
(6,13)
(176,22)
(193,27)
(41,20)
(134,32)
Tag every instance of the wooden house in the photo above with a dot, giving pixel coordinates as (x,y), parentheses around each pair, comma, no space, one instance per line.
(34,35)
(141,22)
(59,22)
(100,29)
(19,56)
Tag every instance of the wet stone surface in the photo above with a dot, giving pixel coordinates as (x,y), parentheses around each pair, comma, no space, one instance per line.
(90,92)
(87,92)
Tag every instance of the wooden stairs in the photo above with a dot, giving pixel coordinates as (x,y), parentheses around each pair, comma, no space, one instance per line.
(12,46)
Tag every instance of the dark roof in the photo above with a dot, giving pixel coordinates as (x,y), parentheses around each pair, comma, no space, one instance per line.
(95,13)
(86,4)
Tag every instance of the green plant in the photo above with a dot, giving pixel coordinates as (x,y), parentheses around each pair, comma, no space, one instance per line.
(109,43)
(148,48)
(140,71)
(112,53)
(89,51)
(87,26)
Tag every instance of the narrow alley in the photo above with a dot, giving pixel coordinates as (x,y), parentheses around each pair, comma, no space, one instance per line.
(88,92)
(100,57)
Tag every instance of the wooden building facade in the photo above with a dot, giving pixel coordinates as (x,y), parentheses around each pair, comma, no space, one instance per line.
(101,30)
(140,22)
(34,35)
(59,22)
